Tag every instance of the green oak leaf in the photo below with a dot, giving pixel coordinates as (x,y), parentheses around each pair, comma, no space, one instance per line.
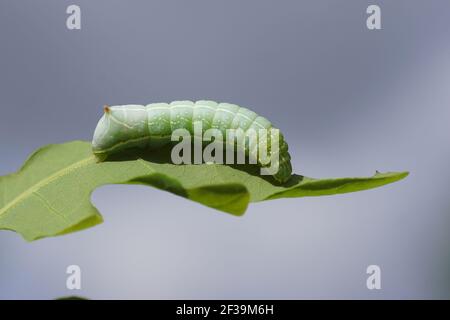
(50,194)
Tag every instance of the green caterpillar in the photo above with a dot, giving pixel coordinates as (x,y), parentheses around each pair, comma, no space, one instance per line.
(126,126)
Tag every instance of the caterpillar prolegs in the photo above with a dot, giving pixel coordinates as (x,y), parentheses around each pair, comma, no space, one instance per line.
(126,126)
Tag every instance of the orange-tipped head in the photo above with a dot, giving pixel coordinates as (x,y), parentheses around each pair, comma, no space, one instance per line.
(106,108)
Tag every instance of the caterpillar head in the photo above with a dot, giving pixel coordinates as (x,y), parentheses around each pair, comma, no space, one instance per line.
(117,125)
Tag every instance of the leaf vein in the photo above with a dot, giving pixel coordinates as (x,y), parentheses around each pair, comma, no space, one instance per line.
(44,182)
(49,206)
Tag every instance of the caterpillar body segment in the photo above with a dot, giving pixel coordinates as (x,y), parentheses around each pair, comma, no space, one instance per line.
(151,126)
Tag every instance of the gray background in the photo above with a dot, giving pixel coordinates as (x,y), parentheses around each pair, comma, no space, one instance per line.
(348,100)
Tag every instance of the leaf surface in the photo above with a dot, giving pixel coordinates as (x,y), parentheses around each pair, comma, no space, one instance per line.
(50,194)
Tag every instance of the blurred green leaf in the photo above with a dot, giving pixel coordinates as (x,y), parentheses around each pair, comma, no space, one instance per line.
(72,298)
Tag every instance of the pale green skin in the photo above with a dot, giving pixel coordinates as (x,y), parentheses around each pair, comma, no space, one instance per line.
(126,126)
